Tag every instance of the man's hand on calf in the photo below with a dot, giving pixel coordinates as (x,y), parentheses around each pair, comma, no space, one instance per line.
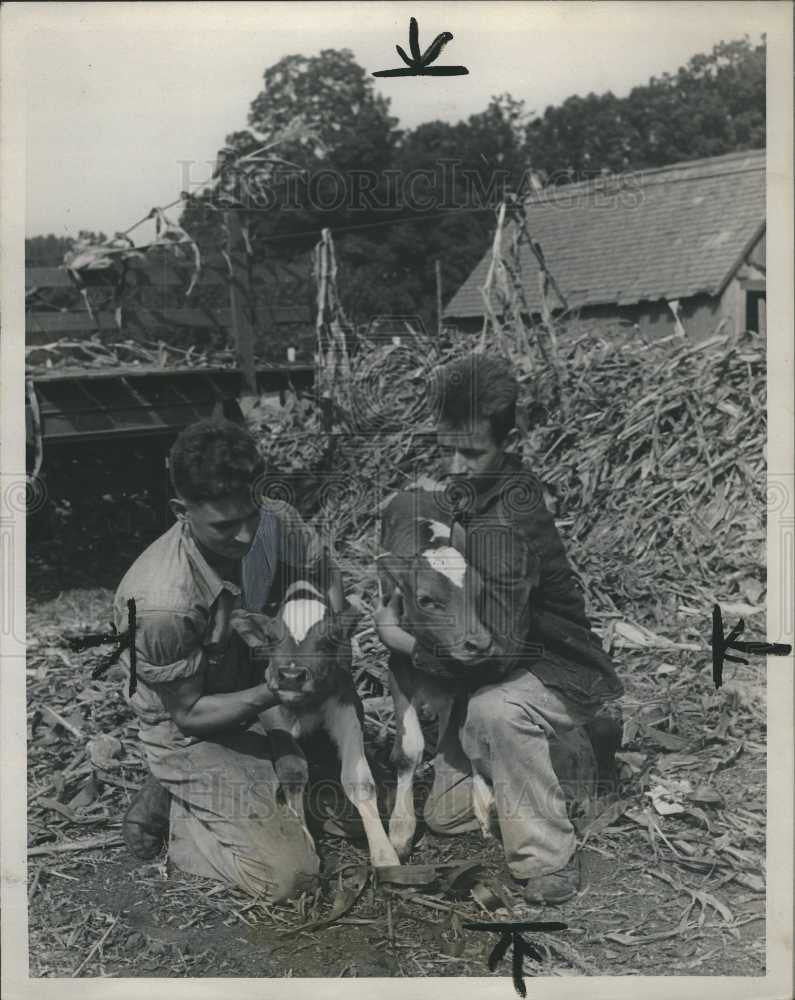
(387,624)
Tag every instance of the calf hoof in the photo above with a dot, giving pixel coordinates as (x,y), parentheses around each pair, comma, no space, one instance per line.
(401,837)
(385,858)
(292,771)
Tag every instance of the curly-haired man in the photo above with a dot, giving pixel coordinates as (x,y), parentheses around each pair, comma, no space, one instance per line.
(212,781)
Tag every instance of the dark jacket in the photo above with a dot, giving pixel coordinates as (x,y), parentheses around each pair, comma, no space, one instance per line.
(531,601)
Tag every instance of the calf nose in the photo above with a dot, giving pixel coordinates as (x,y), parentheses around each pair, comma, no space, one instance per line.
(293,674)
(477,643)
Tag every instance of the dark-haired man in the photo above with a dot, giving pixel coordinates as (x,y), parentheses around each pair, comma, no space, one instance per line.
(548,673)
(196,696)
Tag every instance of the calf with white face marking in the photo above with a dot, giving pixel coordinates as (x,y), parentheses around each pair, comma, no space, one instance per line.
(309,667)
(439,592)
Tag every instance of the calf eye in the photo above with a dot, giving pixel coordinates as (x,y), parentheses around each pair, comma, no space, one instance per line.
(426,602)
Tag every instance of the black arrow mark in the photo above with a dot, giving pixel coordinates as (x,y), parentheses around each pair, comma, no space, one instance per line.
(419,63)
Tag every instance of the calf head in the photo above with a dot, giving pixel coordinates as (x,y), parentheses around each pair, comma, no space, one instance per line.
(440,594)
(305,644)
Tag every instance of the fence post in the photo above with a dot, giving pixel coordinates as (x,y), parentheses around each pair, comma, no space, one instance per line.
(438,299)
(240,303)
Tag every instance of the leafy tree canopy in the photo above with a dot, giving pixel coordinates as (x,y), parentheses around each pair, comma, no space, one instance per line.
(394,202)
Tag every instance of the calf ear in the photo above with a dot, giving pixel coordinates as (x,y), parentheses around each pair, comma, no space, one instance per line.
(344,622)
(256,630)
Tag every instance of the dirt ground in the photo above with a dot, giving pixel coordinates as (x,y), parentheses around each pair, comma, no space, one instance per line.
(673,876)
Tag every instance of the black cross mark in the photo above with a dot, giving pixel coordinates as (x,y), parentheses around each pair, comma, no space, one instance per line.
(721,644)
(125,641)
(510,935)
(419,63)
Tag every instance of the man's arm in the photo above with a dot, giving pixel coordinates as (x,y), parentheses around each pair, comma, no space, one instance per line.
(171,661)
(527,574)
(199,714)
(558,588)
(387,624)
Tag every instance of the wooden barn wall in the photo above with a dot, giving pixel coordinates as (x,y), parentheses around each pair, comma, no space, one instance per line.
(700,316)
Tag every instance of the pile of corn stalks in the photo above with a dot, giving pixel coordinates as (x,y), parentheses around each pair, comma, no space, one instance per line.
(656,475)
(77,354)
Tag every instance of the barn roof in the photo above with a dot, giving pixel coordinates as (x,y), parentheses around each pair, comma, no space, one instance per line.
(666,233)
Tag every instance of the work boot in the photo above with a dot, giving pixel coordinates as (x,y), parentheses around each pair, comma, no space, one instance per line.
(554,887)
(145,824)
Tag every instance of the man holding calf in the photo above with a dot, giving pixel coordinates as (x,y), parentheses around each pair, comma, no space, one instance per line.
(546,673)
(198,693)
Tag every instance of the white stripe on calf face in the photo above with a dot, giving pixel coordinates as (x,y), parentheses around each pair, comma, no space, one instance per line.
(302,585)
(299,616)
(449,562)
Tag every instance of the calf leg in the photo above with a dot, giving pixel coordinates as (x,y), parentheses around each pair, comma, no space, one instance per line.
(483,804)
(406,756)
(343,724)
(291,769)
(449,808)
(289,761)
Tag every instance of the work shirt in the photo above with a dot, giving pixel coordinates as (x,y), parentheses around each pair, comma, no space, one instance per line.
(531,600)
(183,611)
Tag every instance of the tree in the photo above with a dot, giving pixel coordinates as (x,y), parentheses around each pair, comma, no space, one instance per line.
(337,96)
(714,105)
(487,151)
(352,134)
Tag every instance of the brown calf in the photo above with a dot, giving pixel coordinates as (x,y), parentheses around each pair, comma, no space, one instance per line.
(309,667)
(439,591)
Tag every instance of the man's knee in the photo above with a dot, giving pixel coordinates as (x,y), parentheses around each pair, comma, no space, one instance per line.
(289,884)
(276,882)
(450,811)
(486,707)
(490,714)
(433,814)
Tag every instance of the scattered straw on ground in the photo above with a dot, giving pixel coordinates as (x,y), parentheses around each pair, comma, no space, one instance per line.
(657,479)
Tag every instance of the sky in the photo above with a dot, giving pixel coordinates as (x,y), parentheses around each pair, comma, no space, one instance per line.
(119,97)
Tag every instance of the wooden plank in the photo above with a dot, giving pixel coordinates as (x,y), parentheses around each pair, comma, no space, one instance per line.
(139,371)
(184,316)
(133,402)
(58,323)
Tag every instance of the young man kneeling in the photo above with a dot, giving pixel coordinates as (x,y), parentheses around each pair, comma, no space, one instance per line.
(548,673)
(212,779)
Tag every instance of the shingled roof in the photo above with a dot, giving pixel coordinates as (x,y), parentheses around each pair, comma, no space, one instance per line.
(666,233)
